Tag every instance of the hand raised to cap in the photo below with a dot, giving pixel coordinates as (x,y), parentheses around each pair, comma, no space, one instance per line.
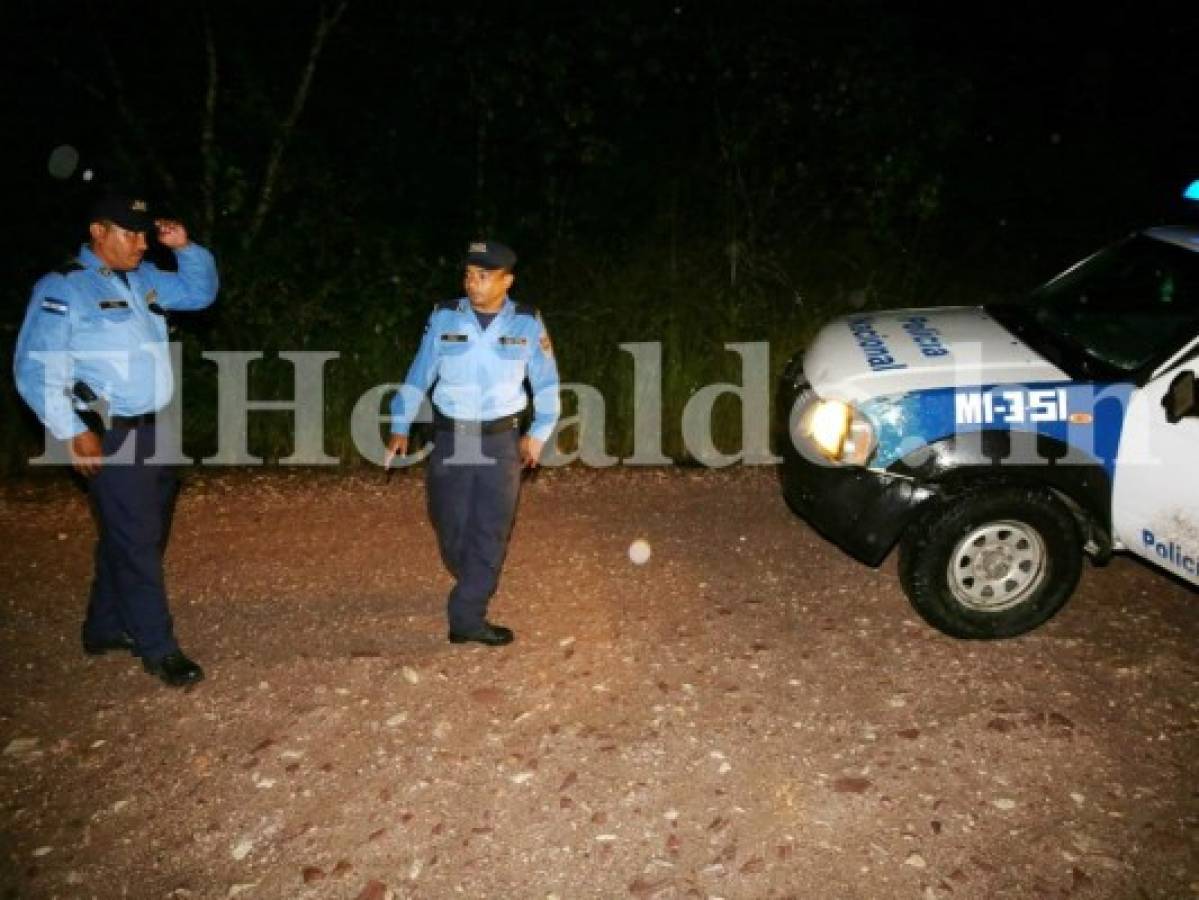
(171,233)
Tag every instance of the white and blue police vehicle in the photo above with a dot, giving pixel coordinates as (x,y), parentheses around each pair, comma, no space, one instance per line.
(998,444)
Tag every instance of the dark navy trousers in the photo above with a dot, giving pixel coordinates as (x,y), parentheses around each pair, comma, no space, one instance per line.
(132,502)
(473,485)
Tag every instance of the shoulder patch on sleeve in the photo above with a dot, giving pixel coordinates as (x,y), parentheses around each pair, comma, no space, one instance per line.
(526,309)
(54,305)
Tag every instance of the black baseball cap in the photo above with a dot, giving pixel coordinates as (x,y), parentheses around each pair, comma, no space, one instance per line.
(130,212)
(490,255)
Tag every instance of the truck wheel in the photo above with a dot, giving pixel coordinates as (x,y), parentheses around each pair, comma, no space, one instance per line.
(991,564)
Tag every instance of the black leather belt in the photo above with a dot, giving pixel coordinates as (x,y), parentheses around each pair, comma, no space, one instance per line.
(133,421)
(471,426)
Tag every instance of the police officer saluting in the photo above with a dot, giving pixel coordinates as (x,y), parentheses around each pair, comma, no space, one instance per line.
(96,330)
(479,350)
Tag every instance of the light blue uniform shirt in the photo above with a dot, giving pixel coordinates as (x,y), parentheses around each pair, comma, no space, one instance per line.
(86,324)
(480,373)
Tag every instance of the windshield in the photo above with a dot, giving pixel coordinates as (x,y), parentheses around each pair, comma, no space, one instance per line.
(1122,309)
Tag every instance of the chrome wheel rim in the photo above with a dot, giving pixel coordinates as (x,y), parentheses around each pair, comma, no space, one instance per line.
(997,566)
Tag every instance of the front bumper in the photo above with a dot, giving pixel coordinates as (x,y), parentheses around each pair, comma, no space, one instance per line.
(863,511)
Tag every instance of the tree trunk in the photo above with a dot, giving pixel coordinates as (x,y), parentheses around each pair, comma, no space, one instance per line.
(208,134)
(266,197)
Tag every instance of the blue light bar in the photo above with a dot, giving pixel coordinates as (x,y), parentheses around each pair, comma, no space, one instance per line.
(1192,191)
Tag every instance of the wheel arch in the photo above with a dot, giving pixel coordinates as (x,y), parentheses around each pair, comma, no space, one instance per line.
(954,465)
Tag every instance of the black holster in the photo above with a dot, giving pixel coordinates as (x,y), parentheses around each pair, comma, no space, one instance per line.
(90,408)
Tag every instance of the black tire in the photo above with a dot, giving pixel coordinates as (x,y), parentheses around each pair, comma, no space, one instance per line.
(1015,553)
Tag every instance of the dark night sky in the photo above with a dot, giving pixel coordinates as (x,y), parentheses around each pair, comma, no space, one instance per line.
(1036,121)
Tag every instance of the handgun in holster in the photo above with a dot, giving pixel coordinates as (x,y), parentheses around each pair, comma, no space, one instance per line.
(92,409)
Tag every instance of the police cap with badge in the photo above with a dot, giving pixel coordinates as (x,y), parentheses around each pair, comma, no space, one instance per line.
(129,212)
(490,255)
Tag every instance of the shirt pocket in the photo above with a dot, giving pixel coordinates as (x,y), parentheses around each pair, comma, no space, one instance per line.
(513,348)
(111,312)
(453,351)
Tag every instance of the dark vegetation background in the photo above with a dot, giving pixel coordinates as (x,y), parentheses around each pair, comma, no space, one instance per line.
(674,172)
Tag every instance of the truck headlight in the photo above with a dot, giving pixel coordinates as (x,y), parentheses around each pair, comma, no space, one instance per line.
(839,431)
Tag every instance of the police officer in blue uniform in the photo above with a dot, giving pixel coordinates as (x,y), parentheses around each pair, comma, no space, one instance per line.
(96,331)
(479,352)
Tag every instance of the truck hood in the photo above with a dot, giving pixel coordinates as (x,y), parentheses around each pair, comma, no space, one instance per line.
(875,354)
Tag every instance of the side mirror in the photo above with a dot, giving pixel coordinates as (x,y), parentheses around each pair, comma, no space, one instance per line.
(1181,399)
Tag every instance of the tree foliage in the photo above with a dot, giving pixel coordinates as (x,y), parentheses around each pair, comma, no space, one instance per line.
(689,174)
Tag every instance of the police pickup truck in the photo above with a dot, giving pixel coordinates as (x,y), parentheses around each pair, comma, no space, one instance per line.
(997,444)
